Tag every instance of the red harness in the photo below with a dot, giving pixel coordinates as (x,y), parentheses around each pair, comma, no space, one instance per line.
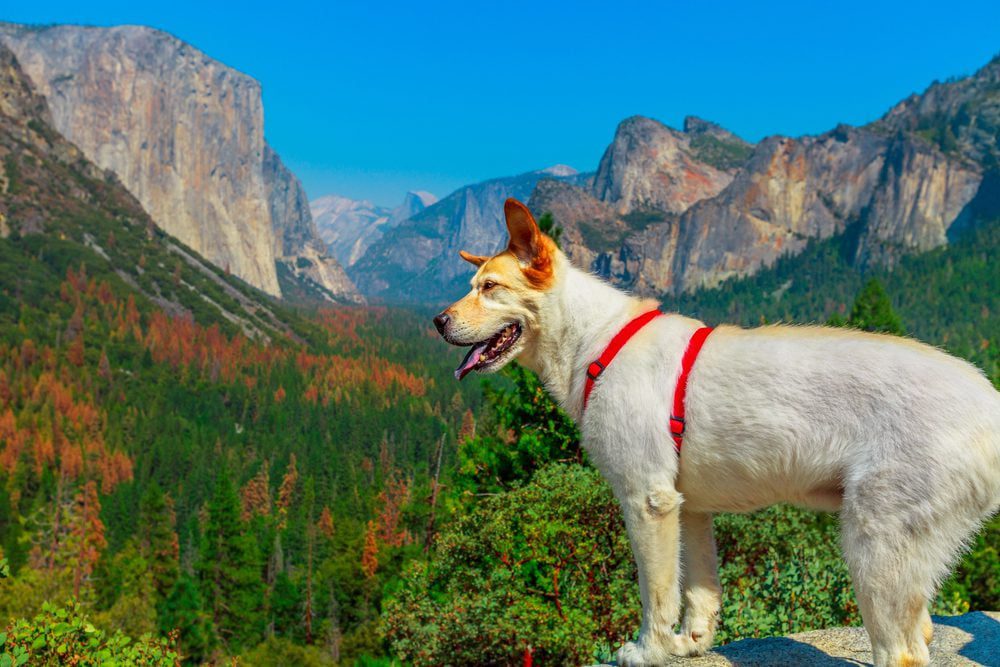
(687,362)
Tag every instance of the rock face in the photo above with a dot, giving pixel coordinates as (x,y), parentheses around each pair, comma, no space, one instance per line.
(297,244)
(183,132)
(350,226)
(670,212)
(970,639)
(27,146)
(650,166)
(418,259)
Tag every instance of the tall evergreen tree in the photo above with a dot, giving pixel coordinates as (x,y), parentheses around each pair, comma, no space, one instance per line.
(182,613)
(157,538)
(229,570)
(873,311)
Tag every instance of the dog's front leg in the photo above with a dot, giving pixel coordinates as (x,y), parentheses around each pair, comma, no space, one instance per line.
(653,523)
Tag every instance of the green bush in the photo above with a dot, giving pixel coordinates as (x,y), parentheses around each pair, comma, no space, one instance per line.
(279,652)
(781,572)
(64,636)
(546,567)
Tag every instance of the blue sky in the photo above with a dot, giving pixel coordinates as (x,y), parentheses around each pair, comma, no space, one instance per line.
(372,99)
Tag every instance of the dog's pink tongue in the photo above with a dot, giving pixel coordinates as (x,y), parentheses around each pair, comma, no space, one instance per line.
(471,359)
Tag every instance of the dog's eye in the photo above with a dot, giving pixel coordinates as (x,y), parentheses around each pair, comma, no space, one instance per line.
(487,285)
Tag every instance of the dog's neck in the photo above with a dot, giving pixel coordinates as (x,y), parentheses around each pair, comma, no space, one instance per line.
(581,315)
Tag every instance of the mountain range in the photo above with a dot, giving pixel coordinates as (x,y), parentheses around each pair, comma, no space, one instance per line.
(666,211)
(415,260)
(671,211)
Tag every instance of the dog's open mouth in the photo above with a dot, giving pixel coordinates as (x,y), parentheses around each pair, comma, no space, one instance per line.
(484,354)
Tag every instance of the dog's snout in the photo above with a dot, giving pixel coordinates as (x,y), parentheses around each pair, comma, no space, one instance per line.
(441,321)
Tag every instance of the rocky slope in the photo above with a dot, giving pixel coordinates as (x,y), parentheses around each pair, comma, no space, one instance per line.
(350,226)
(969,639)
(418,259)
(297,244)
(657,221)
(185,134)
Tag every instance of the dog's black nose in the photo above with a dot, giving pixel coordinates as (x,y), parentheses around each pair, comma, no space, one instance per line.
(441,321)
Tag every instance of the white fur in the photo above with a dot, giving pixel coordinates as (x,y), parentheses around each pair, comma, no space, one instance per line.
(901,438)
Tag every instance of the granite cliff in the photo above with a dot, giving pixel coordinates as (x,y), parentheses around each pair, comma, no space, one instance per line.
(651,166)
(59,211)
(185,134)
(298,247)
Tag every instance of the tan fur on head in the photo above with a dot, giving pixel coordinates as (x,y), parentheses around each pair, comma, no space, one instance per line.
(532,248)
(507,288)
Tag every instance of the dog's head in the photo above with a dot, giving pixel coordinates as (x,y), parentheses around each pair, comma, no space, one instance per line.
(498,318)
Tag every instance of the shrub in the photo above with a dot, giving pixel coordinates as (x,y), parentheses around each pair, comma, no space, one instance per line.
(544,568)
(64,636)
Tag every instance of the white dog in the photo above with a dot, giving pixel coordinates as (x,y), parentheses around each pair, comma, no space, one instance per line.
(900,438)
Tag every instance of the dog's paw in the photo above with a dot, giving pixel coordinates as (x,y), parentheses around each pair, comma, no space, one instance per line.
(699,633)
(634,655)
(643,653)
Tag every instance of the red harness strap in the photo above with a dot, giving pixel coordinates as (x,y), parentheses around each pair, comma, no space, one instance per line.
(618,342)
(614,347)
(680,391)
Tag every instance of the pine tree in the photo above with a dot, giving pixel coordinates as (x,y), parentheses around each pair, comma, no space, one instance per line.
(286,608)
(229,570)
(130,577)
(158,542)
(86,535)
(182,612)
(873,311)
(547,224)
(369,555)
(256,494)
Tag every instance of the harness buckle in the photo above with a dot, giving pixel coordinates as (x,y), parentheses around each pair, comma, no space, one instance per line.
(676,426)
(595,369)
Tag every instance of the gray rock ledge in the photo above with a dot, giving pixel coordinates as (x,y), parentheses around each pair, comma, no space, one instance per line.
(970,639)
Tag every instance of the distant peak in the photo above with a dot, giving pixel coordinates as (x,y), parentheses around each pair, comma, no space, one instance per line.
(559,170)
(699,126)
(639,121)
(695,125)
(424,197)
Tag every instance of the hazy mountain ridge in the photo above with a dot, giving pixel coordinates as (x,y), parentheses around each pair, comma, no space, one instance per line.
(185,134)
(418,259)
(350,226)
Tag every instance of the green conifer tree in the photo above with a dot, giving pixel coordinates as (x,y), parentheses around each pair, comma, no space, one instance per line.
(873,311)
(229,570)
(182,612)
(157,538)
(547,223)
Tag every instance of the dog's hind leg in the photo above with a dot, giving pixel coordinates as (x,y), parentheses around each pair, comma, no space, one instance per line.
(653,523)
(897,548)
(702,593)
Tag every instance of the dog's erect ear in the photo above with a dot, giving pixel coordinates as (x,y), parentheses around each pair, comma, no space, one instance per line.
(477,260)
(523,230)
